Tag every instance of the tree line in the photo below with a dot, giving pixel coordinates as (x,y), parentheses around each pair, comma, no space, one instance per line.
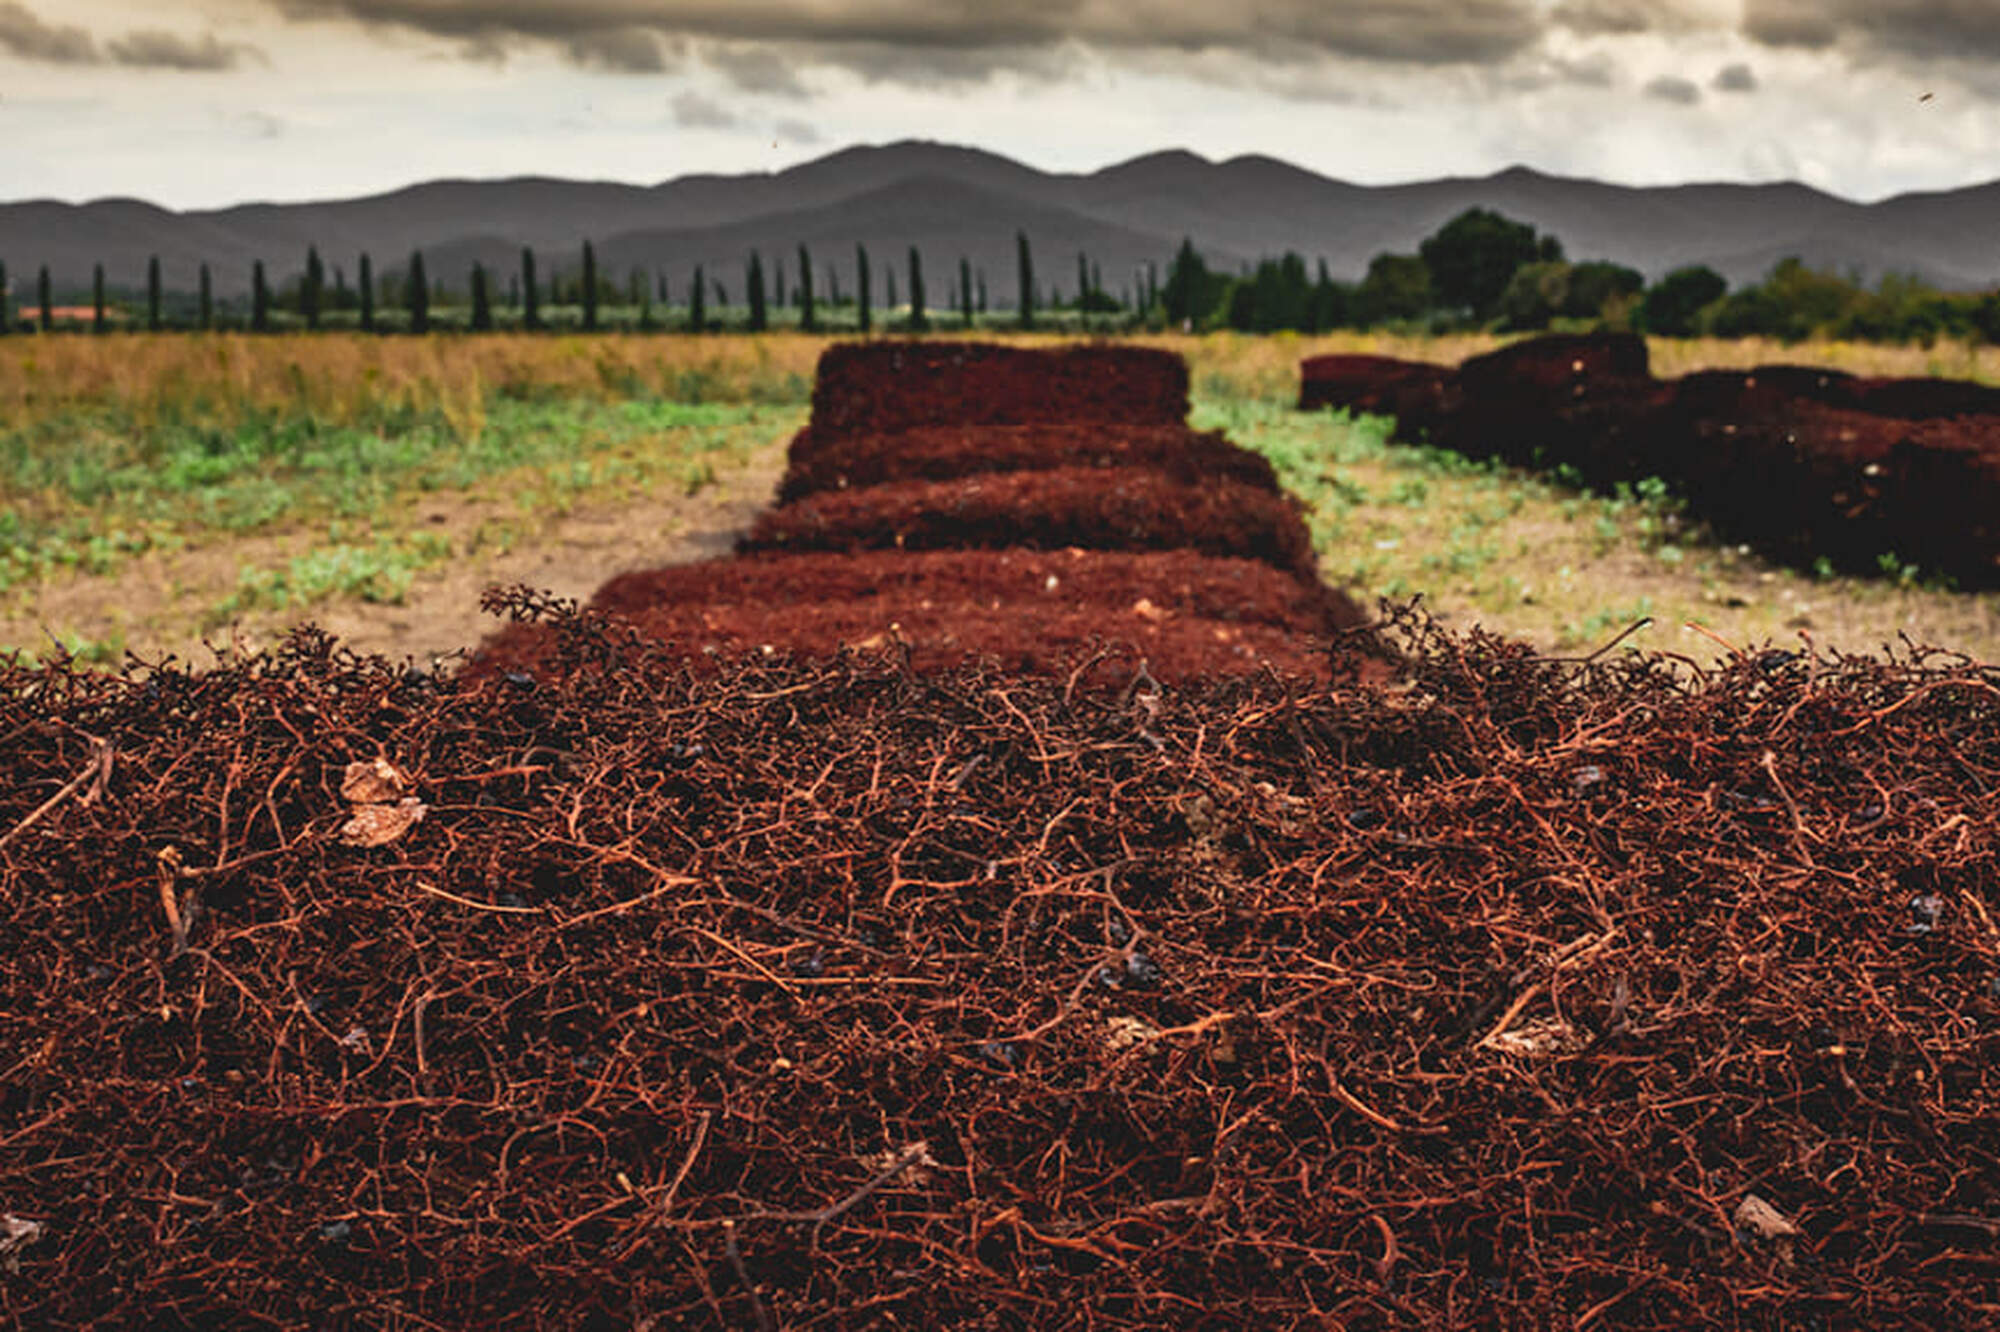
(1481,270)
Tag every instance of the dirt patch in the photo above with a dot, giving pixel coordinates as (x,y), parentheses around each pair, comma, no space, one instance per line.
(164,602)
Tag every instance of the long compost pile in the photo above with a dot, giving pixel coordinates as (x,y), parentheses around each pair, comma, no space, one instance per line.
(1806,463)
(971,501)
(832,992)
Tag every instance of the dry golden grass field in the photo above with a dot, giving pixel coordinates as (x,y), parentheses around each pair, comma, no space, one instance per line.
(159,493)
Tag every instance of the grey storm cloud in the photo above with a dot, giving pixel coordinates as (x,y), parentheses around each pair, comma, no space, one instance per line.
(629,50)
(1600,17)
(24,34)
(1669,88)
(691,110)
(1737,78)
(1925,29)
(800,132)
(757,69)
(897,38)
(153,49)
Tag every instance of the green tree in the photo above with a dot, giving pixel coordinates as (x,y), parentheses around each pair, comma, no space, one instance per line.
(1473,257)
(1024,264)
(589,288)
(918,321)
(205,301)
(531,299)
(417,294)
(1537,293)
(260,299)
(97,299)
(1670,306)
(6,304)
(364,291)
(1332,302)
(47,297)
(482,301)
(965,289)
(698,303)
(153,295)
(1398,286)
(1597,284)
(642,293)
(808,319)
(861,287)
(311,288)
(753,282)
(1191,290)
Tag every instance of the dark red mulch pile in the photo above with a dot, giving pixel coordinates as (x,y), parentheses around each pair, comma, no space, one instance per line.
(1524,994)
(940,453)
(1806,463)
(1184,614)
(882,387)
(1098,508)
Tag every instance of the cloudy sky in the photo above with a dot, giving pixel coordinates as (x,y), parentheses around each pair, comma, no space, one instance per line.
(206,102)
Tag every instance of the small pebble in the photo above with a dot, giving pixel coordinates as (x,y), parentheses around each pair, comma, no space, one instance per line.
(1142,971)
(1361,820)
(1926,910)
(335,1232)
(1000,1052)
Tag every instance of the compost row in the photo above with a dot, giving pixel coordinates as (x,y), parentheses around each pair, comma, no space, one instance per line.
(1802,462)
(961,500)
(836,993)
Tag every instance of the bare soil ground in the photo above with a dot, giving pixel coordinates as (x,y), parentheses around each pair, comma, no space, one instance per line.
(160,602)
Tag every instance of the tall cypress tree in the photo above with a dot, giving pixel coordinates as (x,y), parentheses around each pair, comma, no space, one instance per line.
(807,319)
(698,304)
(152,294)
(861,287)
(589,288)
(965,289)
(1025,263)
(918,322)
(417,294)
(364,288)
(205,307)
(778,283)
(48,300)
(531,300)
(97,299)
(260,299)
(310,288)
(1082,281)
(482,303)
(754,282)
(6,304)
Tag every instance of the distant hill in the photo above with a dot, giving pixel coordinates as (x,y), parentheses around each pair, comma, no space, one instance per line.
(952,202)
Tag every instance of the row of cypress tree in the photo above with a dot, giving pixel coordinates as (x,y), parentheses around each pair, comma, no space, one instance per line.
(313,297)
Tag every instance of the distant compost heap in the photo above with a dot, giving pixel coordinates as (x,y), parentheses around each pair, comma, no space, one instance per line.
(1804,463)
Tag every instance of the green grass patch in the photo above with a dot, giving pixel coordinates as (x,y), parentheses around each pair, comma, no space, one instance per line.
(88,489)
